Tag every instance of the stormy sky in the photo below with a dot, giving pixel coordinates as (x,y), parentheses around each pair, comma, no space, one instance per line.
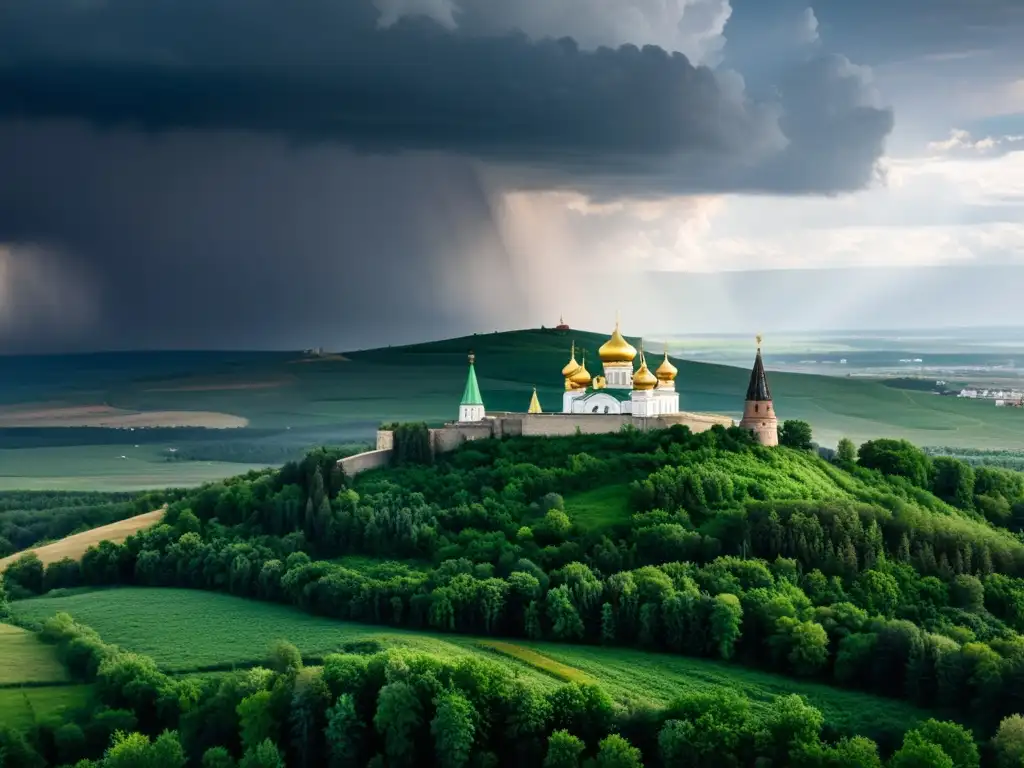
(248,173)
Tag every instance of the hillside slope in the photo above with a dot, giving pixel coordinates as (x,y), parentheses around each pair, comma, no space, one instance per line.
(74,546)
(510,364)
(292,403)
(656,563)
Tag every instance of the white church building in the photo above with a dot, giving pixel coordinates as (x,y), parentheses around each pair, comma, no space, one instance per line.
(621,389)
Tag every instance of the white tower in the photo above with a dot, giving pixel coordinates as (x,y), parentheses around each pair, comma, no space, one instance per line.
(665,393)
(643,399)
(576,384)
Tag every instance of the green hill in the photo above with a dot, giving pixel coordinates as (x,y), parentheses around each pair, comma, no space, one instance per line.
(291,403)
(510,364)
(662,585)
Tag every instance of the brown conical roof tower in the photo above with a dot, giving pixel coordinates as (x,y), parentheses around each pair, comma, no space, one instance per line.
(757,390)
(758,411)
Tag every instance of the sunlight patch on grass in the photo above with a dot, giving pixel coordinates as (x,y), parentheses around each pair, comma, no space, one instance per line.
(538,661)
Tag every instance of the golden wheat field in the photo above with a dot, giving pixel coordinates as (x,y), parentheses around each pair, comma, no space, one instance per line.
(74,546)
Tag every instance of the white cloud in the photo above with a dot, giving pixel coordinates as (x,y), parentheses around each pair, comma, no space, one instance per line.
(993,181)
(933,211)
(961,142)
(808,31)
(693,27)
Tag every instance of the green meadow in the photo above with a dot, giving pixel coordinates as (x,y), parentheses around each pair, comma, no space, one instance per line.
(598,507)
(188,631)
(26,659)
(33,682)
(21,707)
(102,468)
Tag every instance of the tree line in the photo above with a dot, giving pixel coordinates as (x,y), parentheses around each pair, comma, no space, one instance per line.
(408,708)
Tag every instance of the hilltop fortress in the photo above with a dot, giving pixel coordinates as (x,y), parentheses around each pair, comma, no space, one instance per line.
(623,394)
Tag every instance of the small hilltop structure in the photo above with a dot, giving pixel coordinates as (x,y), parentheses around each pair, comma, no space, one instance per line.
(758,410)
(626,393)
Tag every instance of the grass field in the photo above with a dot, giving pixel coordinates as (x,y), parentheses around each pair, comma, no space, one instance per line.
(101,468)
(187,631)
(24,658)
(20,707)
(33,682)
(599,507)
(74,546)
(532,658)
(290,407)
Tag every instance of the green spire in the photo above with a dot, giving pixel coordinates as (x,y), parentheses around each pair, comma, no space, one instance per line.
(471,395)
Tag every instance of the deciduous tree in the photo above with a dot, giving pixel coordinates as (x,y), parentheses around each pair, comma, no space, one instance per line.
(796,434)
(453,729)
(564,750)
(399,715)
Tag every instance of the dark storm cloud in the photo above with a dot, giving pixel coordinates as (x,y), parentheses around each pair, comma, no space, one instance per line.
(833,128)
(235,173)
(324,70)
(233,241)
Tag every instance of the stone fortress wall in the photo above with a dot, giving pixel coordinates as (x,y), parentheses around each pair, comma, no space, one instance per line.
(556,424)
(361,462)
(449,437)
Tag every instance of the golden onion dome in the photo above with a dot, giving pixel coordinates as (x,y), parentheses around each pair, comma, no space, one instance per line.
(572,366)
(617,349)
(643,379)
(666,371)
(581,378)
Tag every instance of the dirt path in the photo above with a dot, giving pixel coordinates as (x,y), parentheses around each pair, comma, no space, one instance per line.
(74,546)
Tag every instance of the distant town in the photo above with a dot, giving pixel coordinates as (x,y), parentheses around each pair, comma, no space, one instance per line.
(1009,398)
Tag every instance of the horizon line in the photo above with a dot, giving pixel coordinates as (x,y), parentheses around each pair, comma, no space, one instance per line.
(657,336)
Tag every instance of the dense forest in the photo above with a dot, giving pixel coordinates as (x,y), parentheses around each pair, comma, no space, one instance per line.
(884,569)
